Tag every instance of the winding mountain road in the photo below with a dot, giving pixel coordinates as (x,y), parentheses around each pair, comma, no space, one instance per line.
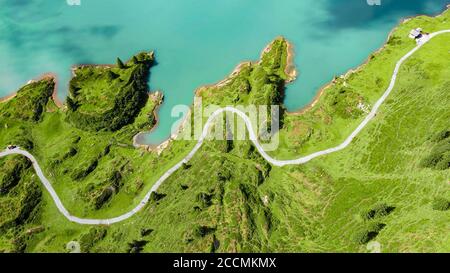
(216,114)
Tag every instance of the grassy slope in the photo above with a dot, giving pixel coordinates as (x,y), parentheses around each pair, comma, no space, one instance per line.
(108,98)
(256,83)
(229,199)
(19,203)
(65,150)
(383,165)
(336,114)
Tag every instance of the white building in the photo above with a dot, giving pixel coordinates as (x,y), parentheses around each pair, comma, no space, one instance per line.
(416,33)
(419,36)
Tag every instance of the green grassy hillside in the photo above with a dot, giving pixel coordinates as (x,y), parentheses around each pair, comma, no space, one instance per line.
(343,103)
(108,98)
(390,187)
(20,198)
(29,102)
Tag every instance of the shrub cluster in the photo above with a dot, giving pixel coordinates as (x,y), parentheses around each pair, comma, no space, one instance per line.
(441,204)
(136,246)
(439,157)
(369,233)
(105,196)
(20,194)
(379,210)
(372,226)
(202,231)
(155,197)
(89,239)
(205,199)
(114,184)
(84,171)
(12,173)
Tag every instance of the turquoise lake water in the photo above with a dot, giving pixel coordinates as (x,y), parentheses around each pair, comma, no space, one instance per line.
(196,42)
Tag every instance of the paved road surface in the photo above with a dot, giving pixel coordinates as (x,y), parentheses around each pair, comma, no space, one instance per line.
(210,121)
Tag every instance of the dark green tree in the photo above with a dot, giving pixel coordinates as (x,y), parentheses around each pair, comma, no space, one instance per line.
(112,75)
(120,63)
(71,105)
